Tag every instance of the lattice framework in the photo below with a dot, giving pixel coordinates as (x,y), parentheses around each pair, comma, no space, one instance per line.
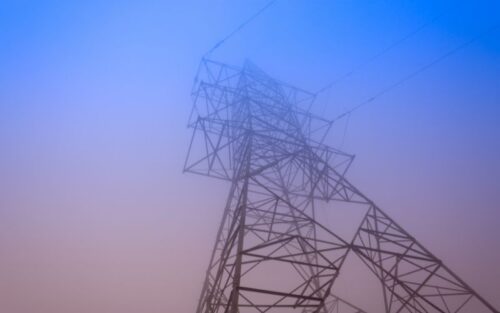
(271,254)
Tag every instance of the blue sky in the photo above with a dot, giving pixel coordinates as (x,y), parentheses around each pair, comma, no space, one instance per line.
(95,214)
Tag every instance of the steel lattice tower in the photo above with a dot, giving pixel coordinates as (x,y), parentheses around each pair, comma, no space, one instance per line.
(271,254)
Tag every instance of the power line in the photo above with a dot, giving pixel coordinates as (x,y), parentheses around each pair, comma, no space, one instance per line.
(240,27)
(378,55)
(417,72)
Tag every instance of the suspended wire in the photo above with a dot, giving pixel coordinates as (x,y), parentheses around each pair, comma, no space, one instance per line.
(373,58)
(416,73)
(240,27)
(379,54)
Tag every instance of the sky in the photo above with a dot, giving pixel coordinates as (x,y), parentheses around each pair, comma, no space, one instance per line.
(96,215)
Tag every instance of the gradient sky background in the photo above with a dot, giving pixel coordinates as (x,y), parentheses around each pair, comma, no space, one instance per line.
(95,213)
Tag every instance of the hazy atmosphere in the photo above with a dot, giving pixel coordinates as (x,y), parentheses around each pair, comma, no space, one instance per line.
(96,215)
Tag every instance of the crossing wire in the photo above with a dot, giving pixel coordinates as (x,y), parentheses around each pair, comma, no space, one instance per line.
(239,28)
(416,73)
(378,55)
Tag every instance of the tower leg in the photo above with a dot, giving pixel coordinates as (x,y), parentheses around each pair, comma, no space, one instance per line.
(414,280)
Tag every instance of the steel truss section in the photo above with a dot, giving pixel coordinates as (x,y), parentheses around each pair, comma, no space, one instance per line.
(413,279)
(271,254)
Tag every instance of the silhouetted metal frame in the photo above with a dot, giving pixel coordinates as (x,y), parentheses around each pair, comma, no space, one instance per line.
(258,133)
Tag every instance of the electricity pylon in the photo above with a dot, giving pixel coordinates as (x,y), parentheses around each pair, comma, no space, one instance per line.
(271,254)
